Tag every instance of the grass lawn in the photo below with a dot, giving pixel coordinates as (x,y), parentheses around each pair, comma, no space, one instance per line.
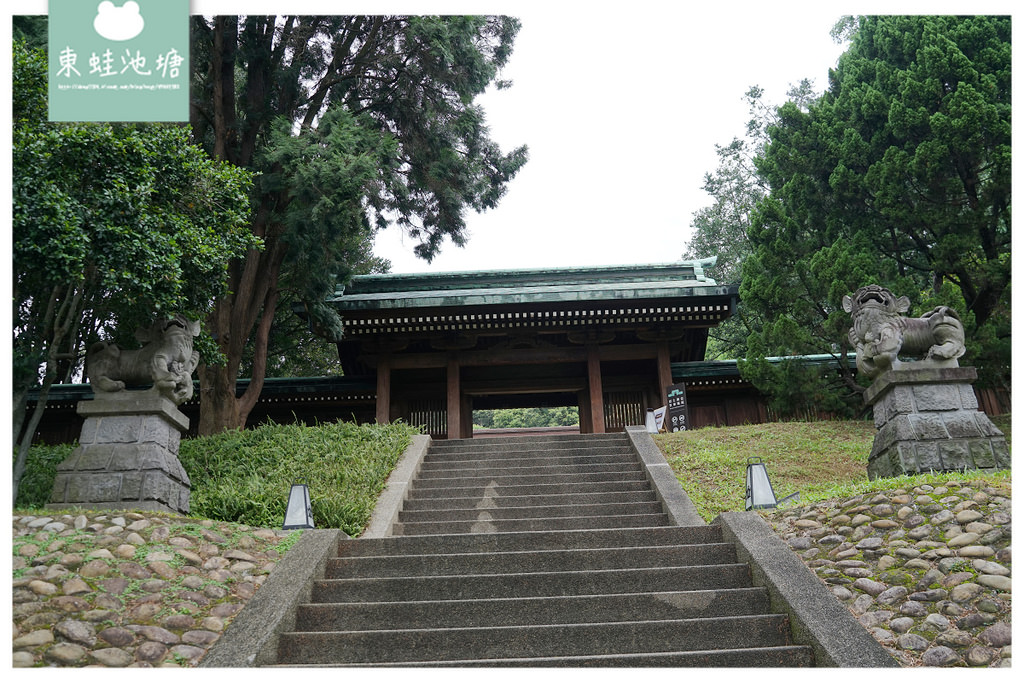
(819,460)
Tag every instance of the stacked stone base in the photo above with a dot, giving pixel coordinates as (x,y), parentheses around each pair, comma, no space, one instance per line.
(928,420)
(127,456)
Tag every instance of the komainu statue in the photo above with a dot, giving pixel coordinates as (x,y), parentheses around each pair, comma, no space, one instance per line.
(880,333)
(166,361)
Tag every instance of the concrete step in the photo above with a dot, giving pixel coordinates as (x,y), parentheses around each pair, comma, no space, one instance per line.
(625,473)
(485,523)
(478,502)
(557,640)
(540,551)
(539,540)
(620,607)
(504,460)
(525,443)
(480,489)
(532,584)
(529,561)
(493,513)
(786,656)
(434,458)
(506,469)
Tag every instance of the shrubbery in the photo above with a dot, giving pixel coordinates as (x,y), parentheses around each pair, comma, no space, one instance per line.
(40,471)
(243,476)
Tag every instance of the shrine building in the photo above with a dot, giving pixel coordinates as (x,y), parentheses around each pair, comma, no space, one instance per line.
(436,346)
(429,349)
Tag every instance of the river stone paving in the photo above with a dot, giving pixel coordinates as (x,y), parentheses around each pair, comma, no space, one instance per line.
(131,589)
(926,570)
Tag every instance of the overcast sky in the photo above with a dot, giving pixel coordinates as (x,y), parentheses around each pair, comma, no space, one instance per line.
(621,105)
(621,111)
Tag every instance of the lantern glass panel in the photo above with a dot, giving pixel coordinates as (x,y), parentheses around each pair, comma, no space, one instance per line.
(299,514)
(759,488)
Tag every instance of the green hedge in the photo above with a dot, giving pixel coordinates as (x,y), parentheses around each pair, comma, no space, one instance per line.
(243,476)
(40,470)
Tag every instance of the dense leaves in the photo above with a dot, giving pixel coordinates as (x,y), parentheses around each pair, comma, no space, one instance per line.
(898,175)
(113,225)
(244,476)
(515,418)
(721,229)
(355,123)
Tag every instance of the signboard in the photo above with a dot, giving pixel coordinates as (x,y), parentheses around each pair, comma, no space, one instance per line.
(678,418)
(118,62)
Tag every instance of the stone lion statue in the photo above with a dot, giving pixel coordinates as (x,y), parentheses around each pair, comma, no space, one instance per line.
(880,332)
(166,361)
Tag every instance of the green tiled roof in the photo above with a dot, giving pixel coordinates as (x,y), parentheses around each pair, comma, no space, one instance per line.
(542,285)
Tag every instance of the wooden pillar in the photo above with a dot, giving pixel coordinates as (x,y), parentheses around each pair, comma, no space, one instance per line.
(467,417)
(583,398)
(454,400)
(596,389)
(664,373)
(383,389)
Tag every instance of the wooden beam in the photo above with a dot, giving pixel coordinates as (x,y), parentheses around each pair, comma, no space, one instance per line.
(596,390)
(528,385)
(454,400)
(521,356)
(383,389)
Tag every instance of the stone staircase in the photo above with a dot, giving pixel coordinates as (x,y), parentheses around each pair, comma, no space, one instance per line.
(538,551)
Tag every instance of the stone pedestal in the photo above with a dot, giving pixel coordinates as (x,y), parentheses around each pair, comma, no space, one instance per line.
(127,456)
(928,420)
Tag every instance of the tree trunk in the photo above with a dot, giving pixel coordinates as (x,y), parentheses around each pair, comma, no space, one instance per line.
(250,307)
(63,318)
(218,407)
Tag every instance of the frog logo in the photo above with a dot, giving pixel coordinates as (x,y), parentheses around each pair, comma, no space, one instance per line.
(118,23)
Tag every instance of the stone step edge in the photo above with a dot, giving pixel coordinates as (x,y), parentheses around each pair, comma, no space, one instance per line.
(682,623)
(520,440)
(521,553)
(568,478)
(531,598)
(519,463)
(435,458)
(528,575)
(518,469)
(629,659)
(594,510)
(624,486)
(590,538)
(554,523)
(470,502)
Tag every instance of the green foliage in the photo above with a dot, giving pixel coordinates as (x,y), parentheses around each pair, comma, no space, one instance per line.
(898,175)
(517,418)
(356,123)
(36,485)
(135,218)
(31,30)
(325,172)
(721,229)
(244,476)
(113,225)
(28,85)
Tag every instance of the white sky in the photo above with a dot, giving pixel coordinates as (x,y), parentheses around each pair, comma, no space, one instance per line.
(621,110)
(621,106)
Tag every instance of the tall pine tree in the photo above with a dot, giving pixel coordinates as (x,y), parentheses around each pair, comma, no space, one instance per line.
(898,175)
(355,123)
